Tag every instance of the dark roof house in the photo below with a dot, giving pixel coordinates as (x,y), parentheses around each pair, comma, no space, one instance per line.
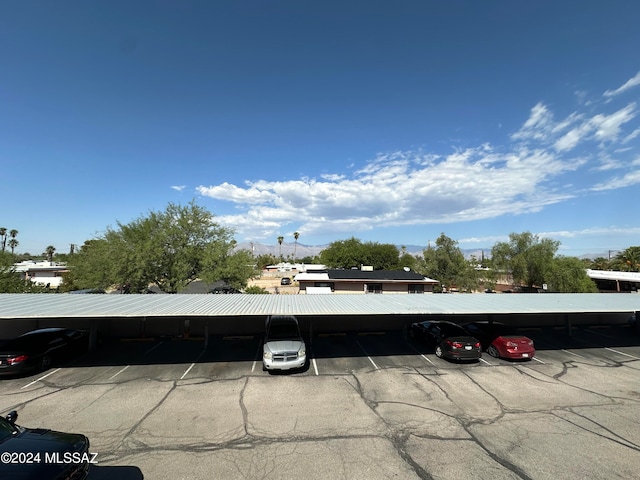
(364,281)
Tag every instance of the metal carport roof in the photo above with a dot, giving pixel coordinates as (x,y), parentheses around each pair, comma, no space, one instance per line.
(181,305)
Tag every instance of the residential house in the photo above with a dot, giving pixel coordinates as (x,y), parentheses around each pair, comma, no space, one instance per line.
(365,281)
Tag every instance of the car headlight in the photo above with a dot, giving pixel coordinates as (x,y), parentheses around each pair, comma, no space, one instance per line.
(267,355)
(301,352)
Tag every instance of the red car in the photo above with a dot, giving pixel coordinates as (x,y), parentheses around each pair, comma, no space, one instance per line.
(501,341)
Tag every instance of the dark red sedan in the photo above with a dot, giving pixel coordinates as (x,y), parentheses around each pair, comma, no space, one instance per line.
(501,341)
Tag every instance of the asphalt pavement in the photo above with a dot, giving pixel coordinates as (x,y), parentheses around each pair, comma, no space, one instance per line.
(374,406)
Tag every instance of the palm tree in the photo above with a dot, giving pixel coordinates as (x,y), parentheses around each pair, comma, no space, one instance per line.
(280,240)
(296,236)
(13,234)
(49,252)
(13,243)
(629,259)
(600,263)
(3,237)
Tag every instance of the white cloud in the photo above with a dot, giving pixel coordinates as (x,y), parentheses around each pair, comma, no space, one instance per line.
(538,126)
(593,231)
(608,126)
(574,136)
(178,188)
(627,180)
(632,82)
(400,189)
(631,136)
(254,194)
(403,188)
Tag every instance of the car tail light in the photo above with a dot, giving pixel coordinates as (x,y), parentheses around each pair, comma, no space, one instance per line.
(15,360)
(455,344)
(477,345)
(512,344)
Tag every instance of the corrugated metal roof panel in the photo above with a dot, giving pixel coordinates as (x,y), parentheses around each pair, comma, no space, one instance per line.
(94,305)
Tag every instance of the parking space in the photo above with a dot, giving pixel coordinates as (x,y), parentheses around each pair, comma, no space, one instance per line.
(372,405)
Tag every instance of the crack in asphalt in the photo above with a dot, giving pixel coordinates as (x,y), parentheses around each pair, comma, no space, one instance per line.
(397,436)
(614,437)
(147,415)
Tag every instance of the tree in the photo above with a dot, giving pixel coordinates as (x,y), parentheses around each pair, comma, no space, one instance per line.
(256,290)
(218,263)
(12,239)
(91,266)
(296,236)
(261,261)
(568,275)
(526,256)
(3,238)
(599,263)
(49,251)
(446,263)
(13,243)
(280,240)
(352,253)
(169,249)
(628,260)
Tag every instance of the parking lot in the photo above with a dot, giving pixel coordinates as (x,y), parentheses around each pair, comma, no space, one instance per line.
(372,406)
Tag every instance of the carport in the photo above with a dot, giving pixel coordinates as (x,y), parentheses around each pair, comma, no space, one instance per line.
(192,315)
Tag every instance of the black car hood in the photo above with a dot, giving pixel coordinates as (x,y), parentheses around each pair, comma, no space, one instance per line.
(43,440)
(39,440)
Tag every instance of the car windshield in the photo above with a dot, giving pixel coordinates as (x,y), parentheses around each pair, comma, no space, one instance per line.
(279,331)
(6,430)
(452,331)
(504,331)
(20,343)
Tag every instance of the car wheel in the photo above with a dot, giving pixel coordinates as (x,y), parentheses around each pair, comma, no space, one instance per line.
(45,362)
(439,351)
(493,351)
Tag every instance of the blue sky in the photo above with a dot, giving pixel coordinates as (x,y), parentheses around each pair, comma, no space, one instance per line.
(388,121)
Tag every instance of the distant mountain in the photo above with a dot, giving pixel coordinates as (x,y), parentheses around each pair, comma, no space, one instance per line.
(302,250)
(287,249)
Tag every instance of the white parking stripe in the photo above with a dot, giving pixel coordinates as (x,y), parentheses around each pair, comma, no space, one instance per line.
(118,373)
(571,353)
(41,378)
(187,370)
(193,364)
(255,361)
(621,353)
(483,360)
(537,360)
(365,352)
(427,359)
(315,366)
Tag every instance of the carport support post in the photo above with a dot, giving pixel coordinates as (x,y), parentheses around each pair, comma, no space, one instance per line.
(638,321)
(567,321)
(206,335)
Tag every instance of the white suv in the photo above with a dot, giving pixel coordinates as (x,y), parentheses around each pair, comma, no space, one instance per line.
(283,347)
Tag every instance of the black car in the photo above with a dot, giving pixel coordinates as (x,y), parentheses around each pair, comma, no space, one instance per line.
(38,453)
(285,281)
(449,339)
(39,349)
